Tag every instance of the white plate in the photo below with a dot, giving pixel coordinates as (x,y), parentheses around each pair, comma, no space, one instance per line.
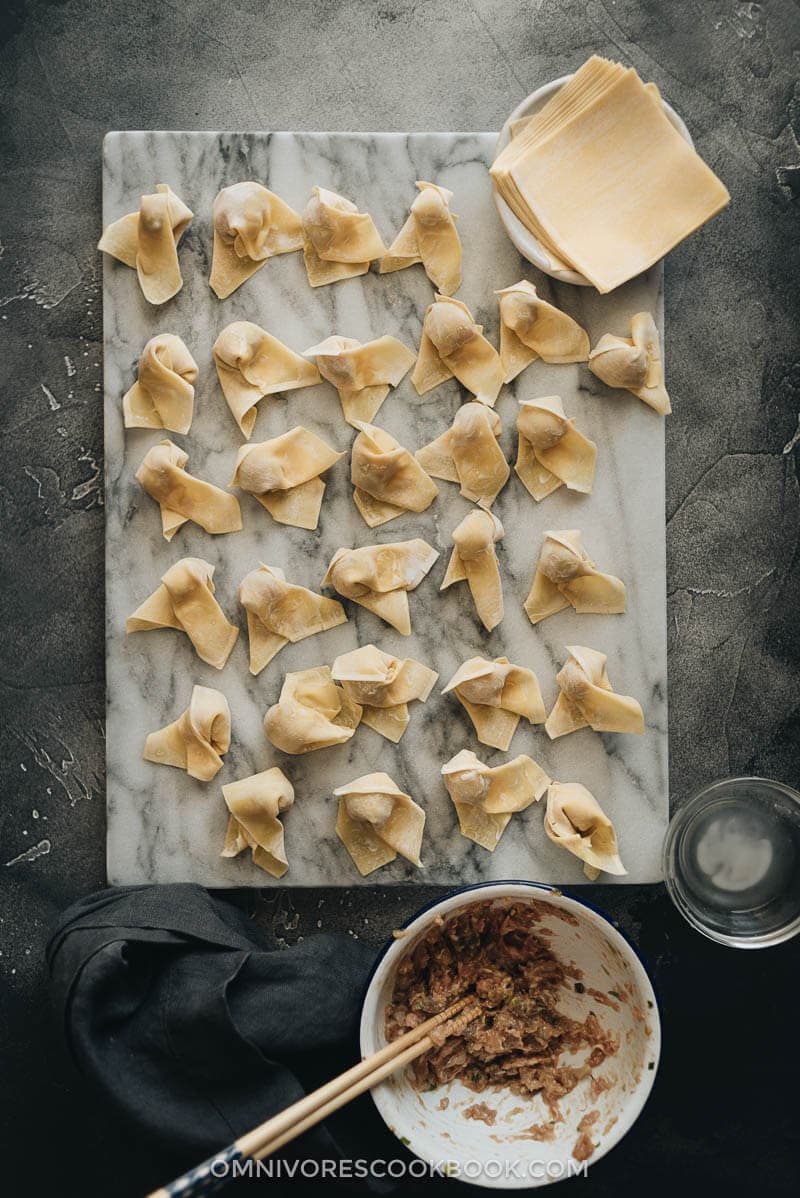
(494,1155)
(528,245)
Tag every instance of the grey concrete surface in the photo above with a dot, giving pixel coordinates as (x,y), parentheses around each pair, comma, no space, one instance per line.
(71,70)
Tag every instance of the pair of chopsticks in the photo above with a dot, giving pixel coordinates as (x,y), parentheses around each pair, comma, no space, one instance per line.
(271,1135)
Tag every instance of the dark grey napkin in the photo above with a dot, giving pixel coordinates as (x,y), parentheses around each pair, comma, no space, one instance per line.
(192,1026)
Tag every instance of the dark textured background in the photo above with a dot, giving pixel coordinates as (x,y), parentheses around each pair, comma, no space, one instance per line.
(71,70)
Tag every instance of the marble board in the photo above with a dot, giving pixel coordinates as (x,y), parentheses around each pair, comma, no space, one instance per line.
(162,825)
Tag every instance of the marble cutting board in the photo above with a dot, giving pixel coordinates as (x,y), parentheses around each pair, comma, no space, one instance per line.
(162,825)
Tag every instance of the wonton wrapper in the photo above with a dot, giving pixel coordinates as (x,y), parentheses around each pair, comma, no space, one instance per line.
(494,695)
(283,475)
(634,363)
(588,700)
(163,394)
(251,224)
(280,612)
(388,481)
(453,345)
(185,601)
(566,577)
(254,804)
(378,577)
(575,820)
(376,821)
(251,363)
(339,242)
(362,374)
(383,686)
(429,236)
(531,328)
(469,454)
(474,560)
(551,451)
(312,712)
(196,741)
(485,799)
(183,497)
(147,240)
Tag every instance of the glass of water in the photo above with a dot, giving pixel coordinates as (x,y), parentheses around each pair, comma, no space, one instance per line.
(732,862)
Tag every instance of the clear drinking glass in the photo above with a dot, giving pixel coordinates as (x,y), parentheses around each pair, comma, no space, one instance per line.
(732,862)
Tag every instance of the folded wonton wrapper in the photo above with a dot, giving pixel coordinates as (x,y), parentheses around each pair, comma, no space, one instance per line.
(251,224)
(429,236)
(378,577)
(376,821)
(531,328)
(383,686)
(474,560)
(588,700)
(388,480)
(469,454)
(453,345)
(494,695)
(283,474)
(280,612)
(575,820)
(362,374)
(254,804)
(485,799)
(634,363)
(339,242)
(551,451)
(251,363)
(183,497)
(147,241)
(196,741)
(163,394)
(185,601)
(312,712)
(566,577)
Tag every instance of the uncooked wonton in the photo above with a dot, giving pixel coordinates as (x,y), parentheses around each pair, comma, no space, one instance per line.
(163,394)
(429,236)
(474,561)
(183,497)
(280,612)
(378,577)
(312,712)
(587,698)
(383,686)
(362,374)
(196,741)
(251,225)
(255,803)
(147,241)
(469,453)
(566,577)
(251,363)
(551,451)
(185,601)
(575,820)
(283,474)
(634,363)
(494,695)
(453,345)
(376,821)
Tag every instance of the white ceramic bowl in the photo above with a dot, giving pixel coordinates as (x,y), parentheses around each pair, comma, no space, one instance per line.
(495,1156)
(528,245)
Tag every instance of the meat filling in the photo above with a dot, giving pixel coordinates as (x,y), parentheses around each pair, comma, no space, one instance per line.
(498,953)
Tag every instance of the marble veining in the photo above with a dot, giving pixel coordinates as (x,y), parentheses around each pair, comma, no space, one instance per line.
(162,825)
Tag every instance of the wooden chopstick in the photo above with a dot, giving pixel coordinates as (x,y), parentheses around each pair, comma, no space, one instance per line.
(273,1133)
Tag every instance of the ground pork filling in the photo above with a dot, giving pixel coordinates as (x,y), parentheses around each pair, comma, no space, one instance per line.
(498,953)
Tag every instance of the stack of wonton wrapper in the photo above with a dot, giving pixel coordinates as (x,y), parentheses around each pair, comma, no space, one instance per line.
(603,179)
